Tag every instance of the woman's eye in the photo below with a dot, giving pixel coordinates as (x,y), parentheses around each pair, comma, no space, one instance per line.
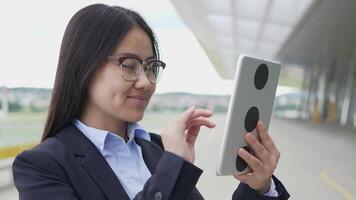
(127,65)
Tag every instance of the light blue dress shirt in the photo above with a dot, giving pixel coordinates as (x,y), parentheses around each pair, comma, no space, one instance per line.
(125,159)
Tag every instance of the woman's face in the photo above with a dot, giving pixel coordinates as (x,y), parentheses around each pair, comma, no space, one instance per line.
(111,97)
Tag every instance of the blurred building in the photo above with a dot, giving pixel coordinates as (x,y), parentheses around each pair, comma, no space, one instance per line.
(317,36)
(181,101)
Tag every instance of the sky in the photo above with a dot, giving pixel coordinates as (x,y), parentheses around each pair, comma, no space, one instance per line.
(31,34)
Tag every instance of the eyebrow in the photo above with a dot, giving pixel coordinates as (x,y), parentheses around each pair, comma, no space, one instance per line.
(133,55)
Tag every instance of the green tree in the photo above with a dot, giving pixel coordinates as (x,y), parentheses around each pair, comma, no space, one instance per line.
(14,106)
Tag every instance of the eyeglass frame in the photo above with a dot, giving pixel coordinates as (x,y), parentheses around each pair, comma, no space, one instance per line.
(119,58)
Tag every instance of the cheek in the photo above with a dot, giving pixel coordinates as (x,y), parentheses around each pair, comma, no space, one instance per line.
(109,95)
(118,96)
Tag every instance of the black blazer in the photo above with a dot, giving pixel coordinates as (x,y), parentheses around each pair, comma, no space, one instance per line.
(68,166)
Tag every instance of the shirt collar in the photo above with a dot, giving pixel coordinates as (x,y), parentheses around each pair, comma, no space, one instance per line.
(138,131)
(98,136)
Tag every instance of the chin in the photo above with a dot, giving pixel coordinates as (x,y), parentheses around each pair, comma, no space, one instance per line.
(135,117)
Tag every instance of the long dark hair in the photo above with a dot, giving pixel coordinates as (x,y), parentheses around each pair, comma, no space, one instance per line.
(90,37)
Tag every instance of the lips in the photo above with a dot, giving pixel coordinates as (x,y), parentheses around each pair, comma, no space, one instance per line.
(138,97)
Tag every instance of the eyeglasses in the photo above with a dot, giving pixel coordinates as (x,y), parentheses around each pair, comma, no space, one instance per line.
(131,67)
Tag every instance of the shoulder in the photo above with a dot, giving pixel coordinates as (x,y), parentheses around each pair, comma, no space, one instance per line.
(44,148)
(43,156)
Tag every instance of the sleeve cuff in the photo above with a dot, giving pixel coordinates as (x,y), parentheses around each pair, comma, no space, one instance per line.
(272,190)
(245,192)
(187,179)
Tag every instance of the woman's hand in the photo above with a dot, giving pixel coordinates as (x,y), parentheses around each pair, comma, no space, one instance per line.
(263,163)
(180,135)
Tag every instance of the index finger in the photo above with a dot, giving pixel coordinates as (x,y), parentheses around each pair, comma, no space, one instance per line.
(197,113)
(245,178)
(266,139)
(201,113)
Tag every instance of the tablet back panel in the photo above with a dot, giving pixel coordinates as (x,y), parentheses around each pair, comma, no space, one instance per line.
(252,99)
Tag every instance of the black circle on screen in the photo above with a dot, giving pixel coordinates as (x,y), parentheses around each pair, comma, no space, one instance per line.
(241,163)
(251,119)
(261,76)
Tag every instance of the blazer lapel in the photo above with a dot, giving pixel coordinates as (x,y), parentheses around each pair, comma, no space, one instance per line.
(93,162)
(101,171)
(151,153)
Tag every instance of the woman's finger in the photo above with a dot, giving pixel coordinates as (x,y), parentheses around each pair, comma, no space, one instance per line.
(201,113)
(251,160)
(266,138)
(194,128)
(192,134)
(201,122)
(257,147)
(245,178)
(186,115)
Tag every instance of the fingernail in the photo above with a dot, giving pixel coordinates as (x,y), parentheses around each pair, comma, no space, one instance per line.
(248,135)
(242,151)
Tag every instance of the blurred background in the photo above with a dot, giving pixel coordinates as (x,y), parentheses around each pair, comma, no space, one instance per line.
(314,116)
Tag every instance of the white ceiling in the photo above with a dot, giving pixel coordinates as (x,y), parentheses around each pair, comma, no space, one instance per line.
(228,28)
(326,35)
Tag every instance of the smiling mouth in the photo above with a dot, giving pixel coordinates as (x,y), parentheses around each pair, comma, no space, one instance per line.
(141,98)
(138,100)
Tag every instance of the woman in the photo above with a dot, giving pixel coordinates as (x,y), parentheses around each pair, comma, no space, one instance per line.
(92,146)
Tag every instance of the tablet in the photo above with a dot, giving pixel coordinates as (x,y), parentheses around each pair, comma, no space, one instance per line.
(252,99)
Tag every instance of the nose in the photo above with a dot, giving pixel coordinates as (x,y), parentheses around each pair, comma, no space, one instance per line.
(142,81)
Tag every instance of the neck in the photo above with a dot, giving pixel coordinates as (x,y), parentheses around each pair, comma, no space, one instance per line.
(94,118)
